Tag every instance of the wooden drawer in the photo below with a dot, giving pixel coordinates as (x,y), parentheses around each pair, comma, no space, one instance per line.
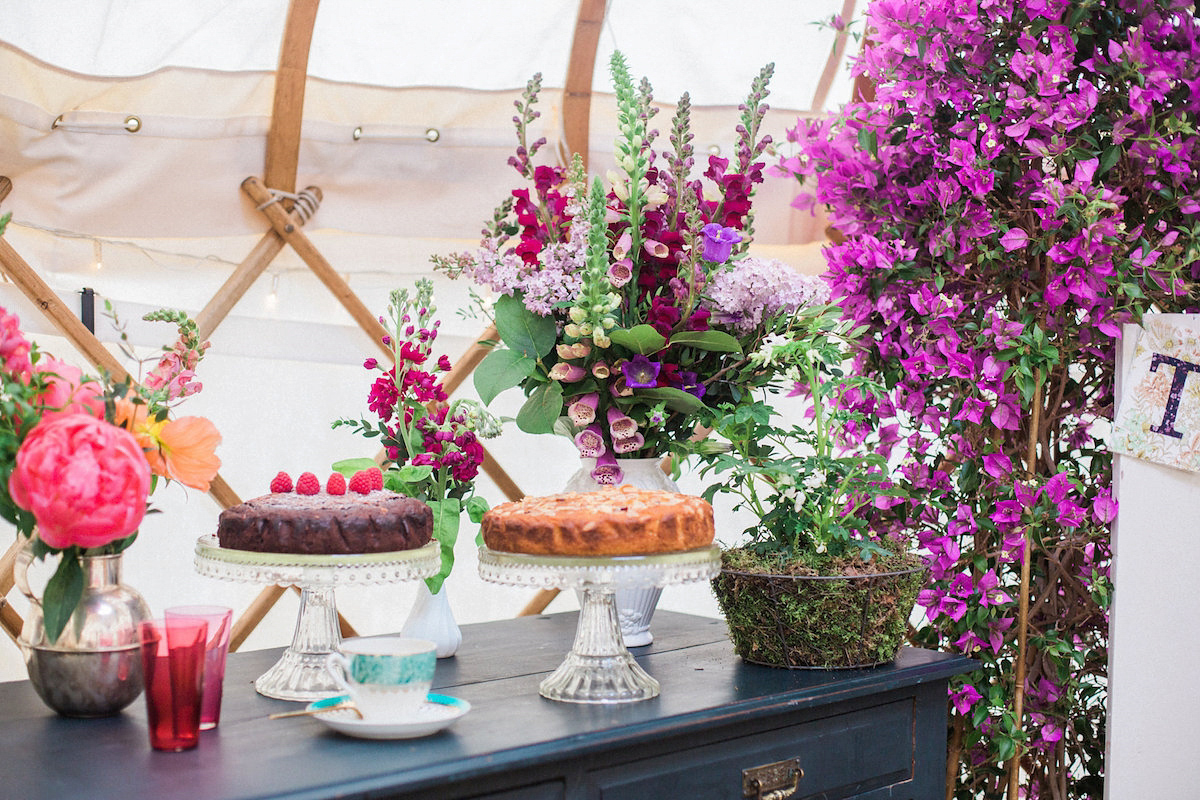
(549,790)
(860,754)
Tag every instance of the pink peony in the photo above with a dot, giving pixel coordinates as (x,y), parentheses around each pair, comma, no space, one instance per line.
(66,390)
(85,481)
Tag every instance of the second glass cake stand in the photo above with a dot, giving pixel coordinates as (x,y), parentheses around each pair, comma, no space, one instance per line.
(599,668)
(300,673)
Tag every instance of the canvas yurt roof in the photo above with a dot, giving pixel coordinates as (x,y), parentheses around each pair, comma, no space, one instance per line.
(128,127)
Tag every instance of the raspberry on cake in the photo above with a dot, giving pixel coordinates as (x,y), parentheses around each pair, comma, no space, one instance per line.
(614,521)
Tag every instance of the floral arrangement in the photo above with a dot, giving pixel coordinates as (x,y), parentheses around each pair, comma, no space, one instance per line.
(806,491)
(1020,185)
(431,447)
(627,307)
(80,456)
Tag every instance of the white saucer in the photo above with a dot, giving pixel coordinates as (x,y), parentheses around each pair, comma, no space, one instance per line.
(435,714)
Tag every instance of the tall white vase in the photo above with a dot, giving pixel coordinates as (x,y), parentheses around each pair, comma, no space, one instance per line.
(635,607)
(431,618)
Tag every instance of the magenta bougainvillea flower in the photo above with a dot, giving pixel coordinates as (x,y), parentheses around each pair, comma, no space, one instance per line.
(1016,189)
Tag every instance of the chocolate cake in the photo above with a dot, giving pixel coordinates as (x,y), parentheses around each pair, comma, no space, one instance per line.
(379,521)
(615,521)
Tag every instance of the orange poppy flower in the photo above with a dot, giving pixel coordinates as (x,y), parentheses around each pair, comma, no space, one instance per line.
(181,449)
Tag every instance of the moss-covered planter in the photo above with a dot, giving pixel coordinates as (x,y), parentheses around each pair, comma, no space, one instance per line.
(820,621)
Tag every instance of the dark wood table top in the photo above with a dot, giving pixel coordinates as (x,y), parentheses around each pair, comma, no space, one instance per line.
(510,727)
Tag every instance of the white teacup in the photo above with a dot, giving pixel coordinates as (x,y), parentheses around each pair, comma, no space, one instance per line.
(387,677)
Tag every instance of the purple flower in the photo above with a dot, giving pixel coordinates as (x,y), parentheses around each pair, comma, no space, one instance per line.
(691,383)
(629,444)
(583,410)
(719,242)
(606,472)
(590,442)
(640,372)
(567,373)
(620,425)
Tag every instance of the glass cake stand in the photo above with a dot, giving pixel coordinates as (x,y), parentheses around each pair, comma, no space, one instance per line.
(599,668)
(300,673)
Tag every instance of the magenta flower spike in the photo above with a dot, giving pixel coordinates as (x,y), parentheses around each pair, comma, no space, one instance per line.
(719,242)
(583,411)
(590,442)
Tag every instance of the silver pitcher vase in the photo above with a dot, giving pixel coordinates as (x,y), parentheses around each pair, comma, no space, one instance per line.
(94,669)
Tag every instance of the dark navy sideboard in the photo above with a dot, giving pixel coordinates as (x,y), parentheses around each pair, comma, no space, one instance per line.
(863,734)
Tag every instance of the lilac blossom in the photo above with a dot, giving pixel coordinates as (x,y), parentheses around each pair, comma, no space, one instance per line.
(754,289)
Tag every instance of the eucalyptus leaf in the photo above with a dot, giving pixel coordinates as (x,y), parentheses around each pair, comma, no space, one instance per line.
(713,341)
(676,399)
(542,409)
(500,370)
(641,339)
(522,330)
(62,594)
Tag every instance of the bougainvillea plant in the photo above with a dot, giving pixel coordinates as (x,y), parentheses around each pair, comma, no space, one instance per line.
(1021,183)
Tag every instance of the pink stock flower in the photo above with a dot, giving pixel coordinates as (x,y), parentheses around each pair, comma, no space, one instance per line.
(67,392)
(85,481)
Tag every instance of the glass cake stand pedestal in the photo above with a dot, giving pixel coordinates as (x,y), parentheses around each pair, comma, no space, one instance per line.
(599,668)
(300,673)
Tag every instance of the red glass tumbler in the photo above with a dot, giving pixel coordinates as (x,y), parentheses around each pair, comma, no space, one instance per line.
(173,668)
(219,619)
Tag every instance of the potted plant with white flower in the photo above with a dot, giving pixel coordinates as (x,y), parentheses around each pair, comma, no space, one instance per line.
(810,586)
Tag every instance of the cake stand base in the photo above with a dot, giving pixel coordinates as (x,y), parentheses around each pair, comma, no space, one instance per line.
(599,668)
(300,672)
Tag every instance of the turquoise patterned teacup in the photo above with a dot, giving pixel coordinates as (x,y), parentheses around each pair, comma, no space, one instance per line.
(387,677)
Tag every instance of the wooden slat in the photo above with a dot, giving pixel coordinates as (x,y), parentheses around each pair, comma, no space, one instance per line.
(7,561)
(469,360)
(10,620)
(235,287)
(254,613)
(577,96)
(41,295)
(287,113)
(282,222)
(539,602)
(5,187)
(834,63)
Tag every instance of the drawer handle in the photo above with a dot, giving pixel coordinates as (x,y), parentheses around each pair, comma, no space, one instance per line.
(777,781)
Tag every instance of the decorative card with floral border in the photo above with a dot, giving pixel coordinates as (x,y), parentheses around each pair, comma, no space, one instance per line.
(1158,418)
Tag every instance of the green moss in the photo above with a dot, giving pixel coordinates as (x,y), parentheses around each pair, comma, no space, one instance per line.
(810,620)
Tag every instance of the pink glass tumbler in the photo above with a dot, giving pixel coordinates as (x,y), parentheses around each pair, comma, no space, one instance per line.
(219,619)
(173,668)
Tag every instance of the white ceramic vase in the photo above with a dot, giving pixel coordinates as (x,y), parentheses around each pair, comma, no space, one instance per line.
(431,618)
(635,607)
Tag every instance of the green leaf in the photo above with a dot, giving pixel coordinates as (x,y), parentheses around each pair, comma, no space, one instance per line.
(410,473)
(542,409)
(676,399)
(522,330)
(447,514)
(500,370)
(714,341)
(476,507)
(642,339)
(869,141)
(349,466)
(62,594)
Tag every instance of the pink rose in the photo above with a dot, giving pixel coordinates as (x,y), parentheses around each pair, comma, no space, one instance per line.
(85,481)
(66,390)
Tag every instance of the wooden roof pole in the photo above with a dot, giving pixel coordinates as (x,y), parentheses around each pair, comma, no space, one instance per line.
(287,114)
(577,94)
